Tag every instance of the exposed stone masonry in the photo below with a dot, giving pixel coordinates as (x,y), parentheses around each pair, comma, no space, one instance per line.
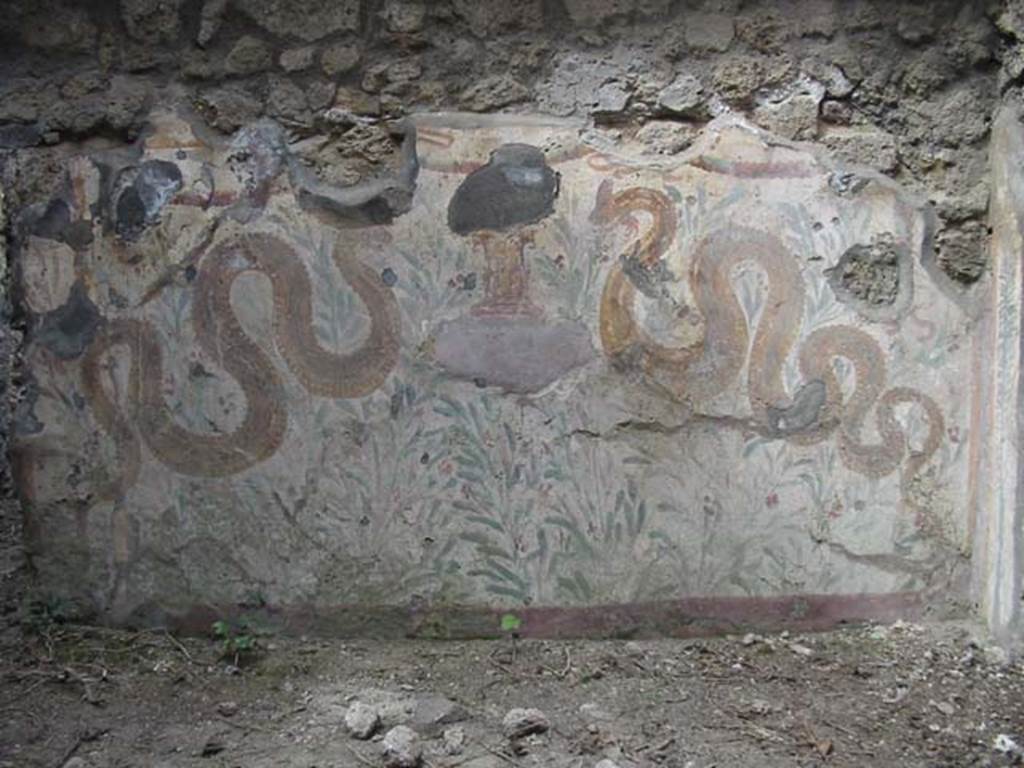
(912,98)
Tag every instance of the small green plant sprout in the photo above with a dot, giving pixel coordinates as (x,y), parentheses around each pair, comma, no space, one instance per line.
(238,642)
(510,624)
(42,614)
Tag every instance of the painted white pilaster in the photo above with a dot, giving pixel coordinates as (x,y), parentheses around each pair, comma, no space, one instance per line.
(1000,508)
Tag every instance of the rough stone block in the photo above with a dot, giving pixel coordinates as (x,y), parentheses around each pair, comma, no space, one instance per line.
(306,20)
(488,19)
(995,479)
(151,21)
(709,31)
(587,13)
(864,145)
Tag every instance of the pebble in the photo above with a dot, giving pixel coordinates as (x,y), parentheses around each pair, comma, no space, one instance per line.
(228,708)
(362,720)
(402,748)
(944,707)
(592,711)
(453,741)
(524,722)
(634,649)
(1005,743)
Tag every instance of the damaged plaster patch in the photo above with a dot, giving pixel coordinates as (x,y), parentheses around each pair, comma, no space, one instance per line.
(802,414)
(54,222)
(140,201)
(23,418)
(376,200)
(962,253)
(68,330)
(874,279)
(649,279)
(258,154)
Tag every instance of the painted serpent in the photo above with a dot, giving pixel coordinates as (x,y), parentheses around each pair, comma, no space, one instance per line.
(223,340)
(697,371)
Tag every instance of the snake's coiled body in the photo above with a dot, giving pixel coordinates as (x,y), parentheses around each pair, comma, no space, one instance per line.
(699,371)
(223,340)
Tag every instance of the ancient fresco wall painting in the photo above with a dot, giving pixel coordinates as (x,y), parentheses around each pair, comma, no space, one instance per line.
(529,372)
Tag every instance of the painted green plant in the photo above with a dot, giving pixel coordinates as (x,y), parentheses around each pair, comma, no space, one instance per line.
(571,268)
(490,470)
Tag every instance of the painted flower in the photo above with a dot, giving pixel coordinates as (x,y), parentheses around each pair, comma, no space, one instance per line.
(836,510)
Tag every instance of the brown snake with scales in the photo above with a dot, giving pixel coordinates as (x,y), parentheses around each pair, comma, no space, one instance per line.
(694,373)
(704,368)
(223,340)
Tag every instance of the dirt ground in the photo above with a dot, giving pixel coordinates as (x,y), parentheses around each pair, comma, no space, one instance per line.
(902,695)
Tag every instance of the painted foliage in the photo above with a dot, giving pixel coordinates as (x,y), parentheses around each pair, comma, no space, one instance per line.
(561,375)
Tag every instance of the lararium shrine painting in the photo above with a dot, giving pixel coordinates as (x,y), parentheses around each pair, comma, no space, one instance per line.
(525,371)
